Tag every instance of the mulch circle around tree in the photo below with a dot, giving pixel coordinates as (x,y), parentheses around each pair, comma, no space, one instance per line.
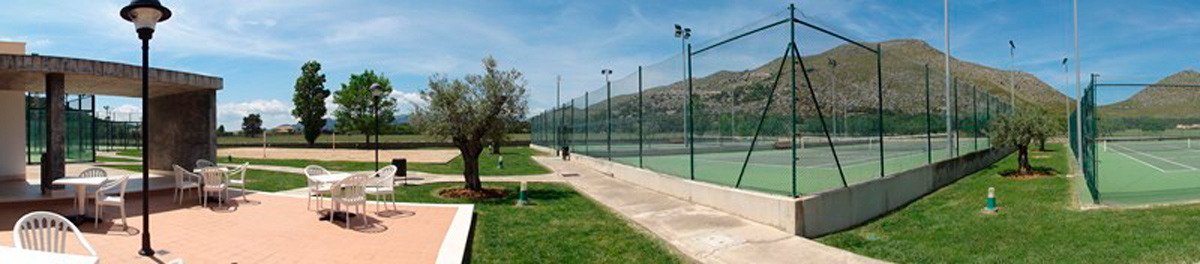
(1038,173)
(488,192)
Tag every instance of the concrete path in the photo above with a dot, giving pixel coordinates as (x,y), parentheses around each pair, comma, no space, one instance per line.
(701,233)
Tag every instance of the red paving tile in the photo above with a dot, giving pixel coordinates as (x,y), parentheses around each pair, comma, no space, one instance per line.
(268,229)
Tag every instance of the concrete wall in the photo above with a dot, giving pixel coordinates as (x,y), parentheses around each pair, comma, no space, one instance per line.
(12,48)
(182,129)
(811,215)
(12,143)
(839,209)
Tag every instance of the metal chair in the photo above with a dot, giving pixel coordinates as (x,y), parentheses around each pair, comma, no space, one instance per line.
(46,231)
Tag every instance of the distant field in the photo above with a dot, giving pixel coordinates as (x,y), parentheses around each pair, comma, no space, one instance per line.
(327,138)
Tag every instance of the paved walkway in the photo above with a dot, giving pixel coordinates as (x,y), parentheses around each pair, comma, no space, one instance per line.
(702,233)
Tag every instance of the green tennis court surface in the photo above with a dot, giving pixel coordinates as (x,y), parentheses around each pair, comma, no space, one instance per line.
(770,170)
(1148,172)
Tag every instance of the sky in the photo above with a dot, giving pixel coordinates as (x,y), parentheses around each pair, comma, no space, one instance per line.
(257,47)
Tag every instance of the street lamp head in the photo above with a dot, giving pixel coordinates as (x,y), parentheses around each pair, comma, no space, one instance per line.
(376,90)
(1011,44)
(145,13)
(678,31)
(605,71)
(687,33)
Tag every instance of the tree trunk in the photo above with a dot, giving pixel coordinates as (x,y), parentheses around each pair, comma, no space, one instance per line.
(1024,168)
(470,157)
(1042,144)
(496,148)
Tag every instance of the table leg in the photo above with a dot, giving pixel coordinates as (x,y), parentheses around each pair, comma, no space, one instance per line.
(81,199)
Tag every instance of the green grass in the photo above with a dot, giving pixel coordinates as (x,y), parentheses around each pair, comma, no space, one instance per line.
(1037,224)
(562,226)
(517,161)
(258,180)
(327,138)
(114,159)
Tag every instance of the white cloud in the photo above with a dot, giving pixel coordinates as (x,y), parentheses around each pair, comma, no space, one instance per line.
(273,112)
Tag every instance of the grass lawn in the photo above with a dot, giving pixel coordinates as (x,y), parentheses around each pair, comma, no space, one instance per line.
(112,159)
(327,138)
(1037,224)
(258,180)
(562,226)
(517,161)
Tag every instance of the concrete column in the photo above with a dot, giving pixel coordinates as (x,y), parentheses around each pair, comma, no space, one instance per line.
(54,163)
(183,129)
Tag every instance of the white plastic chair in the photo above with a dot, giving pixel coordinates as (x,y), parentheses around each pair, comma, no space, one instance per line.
(92,172)
(351,191)
(203,163)
(47,232)
(215,181)
(315,188)
(240,181)
(185,180)
(383,184)
(103,199)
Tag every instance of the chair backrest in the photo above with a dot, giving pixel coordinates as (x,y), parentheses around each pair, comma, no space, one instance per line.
(180,173)
(212,176)
(46,231)
(240,171)
(315,170)
(385,177)
(111,184)
(203,163)
(352,189)
(93,172)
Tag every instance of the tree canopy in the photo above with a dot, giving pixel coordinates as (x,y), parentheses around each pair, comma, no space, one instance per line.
(472,112)
(309,100)
(252,125)
(1019,129)
(355,103)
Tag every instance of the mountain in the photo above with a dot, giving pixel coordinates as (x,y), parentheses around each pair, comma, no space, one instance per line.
(850,86)
(1160,101)
(331,123)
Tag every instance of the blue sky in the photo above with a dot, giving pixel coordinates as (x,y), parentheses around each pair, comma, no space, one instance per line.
(258,46)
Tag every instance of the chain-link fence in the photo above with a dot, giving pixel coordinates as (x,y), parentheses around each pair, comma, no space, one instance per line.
(783,105)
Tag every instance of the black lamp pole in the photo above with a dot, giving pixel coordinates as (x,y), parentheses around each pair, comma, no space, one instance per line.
(145,14)
(376,92)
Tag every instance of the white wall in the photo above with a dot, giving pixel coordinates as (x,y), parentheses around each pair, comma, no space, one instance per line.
(12,135)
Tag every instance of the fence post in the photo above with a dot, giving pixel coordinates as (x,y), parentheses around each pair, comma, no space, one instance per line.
(792,23)
(691,124)
(587,123)
(928,121)
(879,78)
(641,136)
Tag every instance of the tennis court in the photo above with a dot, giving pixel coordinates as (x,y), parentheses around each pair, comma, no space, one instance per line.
(1149,171)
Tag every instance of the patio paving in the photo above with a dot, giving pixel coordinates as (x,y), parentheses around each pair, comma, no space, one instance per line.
(271,228)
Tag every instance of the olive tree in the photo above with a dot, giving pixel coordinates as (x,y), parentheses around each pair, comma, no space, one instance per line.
(471,112)
(1019,130)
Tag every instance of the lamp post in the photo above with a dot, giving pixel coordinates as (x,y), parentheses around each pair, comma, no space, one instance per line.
(1012,74)
(1067,82)
(145,14)
(683,34)
(608,109)
(376,93)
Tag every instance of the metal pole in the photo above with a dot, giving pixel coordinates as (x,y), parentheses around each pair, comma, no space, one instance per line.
(691,123)
(608,113)
(376,133)
(928,121)
(587,104)
(879,77)
(1078,89)
(792,9)
(949,127)
(641,136)
(145,35)
(1012,74)
(557,115)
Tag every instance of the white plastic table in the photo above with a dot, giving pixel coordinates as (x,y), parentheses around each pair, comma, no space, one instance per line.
(81,184)
(16,255)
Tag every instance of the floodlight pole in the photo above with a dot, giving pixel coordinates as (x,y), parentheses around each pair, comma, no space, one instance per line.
(1078,90)
(1067,82)
(608,110)
(950,135)
(1012,74)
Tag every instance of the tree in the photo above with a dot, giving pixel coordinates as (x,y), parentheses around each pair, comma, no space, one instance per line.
(221,130)
(471,112)
(1018,129)
(252,125)
(1046,127)
(355,104)
(309,100)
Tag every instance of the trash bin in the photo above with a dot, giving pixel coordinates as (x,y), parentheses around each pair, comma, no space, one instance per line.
(401,169)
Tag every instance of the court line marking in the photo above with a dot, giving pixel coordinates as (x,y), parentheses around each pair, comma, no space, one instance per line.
(1153,156)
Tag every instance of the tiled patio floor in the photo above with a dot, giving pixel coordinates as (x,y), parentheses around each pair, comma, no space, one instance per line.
(269,229)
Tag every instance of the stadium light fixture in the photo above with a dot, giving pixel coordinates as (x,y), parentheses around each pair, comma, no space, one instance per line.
(145,14)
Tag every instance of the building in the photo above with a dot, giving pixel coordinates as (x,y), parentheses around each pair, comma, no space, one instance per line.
(182,121)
